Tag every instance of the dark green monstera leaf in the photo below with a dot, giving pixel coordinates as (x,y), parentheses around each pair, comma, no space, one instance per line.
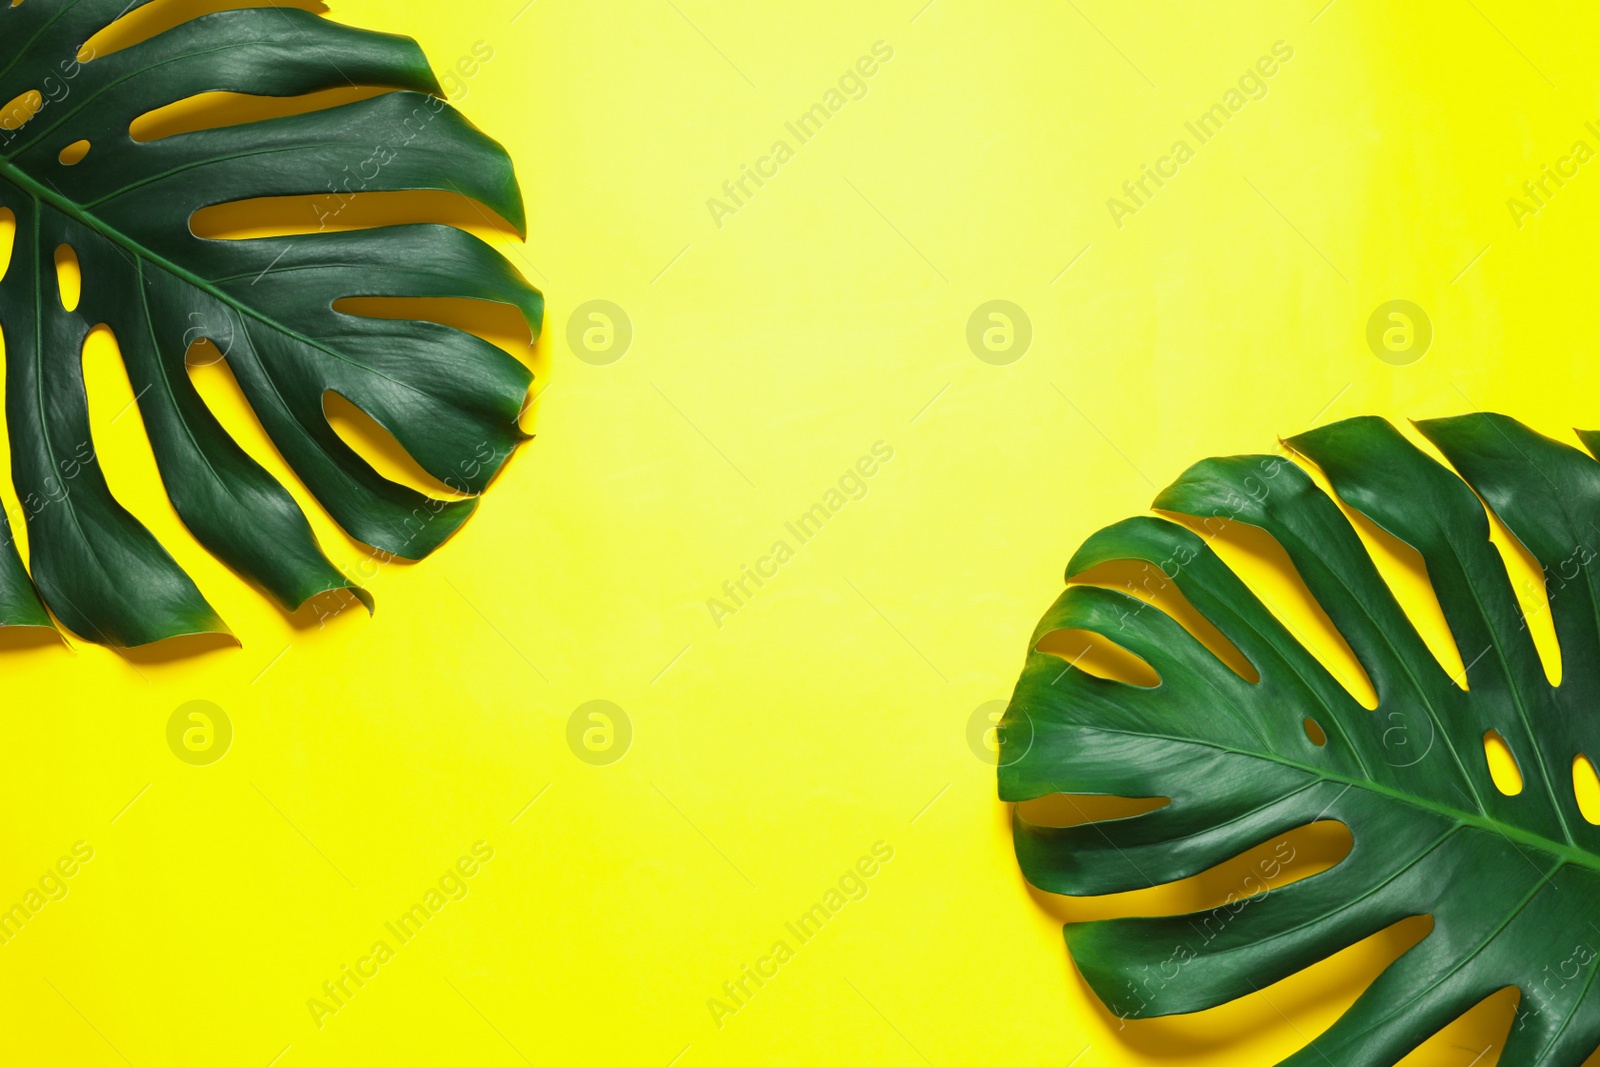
(124,208)
(1512,882)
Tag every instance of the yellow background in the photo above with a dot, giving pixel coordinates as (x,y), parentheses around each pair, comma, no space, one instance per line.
(769,354)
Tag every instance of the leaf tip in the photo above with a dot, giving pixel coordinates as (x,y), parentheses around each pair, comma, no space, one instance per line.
(368,601)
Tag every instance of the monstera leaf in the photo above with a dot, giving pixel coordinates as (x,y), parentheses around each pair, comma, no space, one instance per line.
(1512,882)
(72,174)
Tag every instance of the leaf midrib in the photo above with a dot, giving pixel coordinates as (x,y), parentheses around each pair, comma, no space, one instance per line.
(39,191)
(1570,854)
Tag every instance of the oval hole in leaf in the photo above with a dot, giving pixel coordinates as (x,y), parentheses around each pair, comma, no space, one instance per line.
(21,109)
(69,277)
(1315,732)
(1586,788)
(213,111)
(1502,764)
(73,154)
(1148,583)
(375,444)
(1098,655)
(8,239)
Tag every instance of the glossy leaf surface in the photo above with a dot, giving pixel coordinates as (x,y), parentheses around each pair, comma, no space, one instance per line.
(1512,882)
(72,175)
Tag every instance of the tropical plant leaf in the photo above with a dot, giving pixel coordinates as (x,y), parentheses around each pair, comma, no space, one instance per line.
(1512,882)
(450,399)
